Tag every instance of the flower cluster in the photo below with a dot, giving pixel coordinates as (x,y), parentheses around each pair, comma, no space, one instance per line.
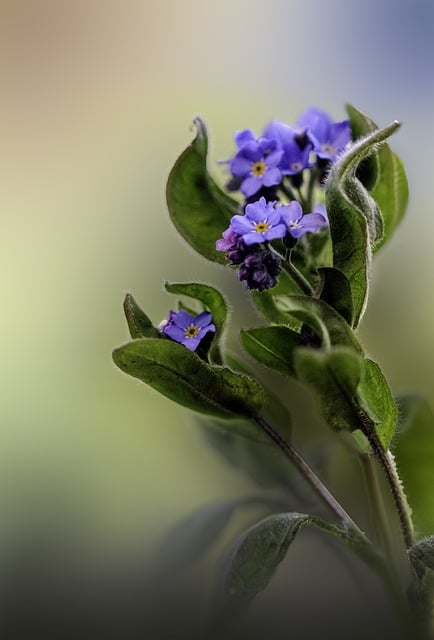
(269,172)
(284,150)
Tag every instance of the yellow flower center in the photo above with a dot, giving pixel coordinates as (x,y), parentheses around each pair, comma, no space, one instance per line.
(261,227)
(191,331)
(258,168)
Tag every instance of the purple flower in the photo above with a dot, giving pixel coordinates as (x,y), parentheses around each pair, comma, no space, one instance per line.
(299,224)
(260,270)
(328,137)
(230,241)
(261,222)
(186,329)
(256,162)
(296,148)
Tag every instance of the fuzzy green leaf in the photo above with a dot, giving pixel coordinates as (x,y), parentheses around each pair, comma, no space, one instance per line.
(383,175)
(212,300)
(182,376)
(336,291)
(259,551)
(335,376)
(422,556)
(272,346)
(414,453)
(375,397)
(327,323)
(355,220)
(199,209)
(138,322)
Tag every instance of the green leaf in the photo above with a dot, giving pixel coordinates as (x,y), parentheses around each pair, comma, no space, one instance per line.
(375,397)
(387,182)
(199,209)
(327,323)
(355,221)
(336,291)
(212,300)
(182,376)
(414,453)
(138,322)
(258,553)
(272,346)
(266,301)
(335,376)
(422,556)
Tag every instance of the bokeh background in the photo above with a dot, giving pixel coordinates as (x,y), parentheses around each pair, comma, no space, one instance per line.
(97,99)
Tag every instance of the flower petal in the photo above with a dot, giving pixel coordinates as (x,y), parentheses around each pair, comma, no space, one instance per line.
(204,330)
(291,212)
(182,319)
(202,319)
(279,231)
(257,211)
(241,166)
(191,343)
(243,137)
(312,222)
(272,176)
(241,224)
(251,185)
(176,333)
(253,238)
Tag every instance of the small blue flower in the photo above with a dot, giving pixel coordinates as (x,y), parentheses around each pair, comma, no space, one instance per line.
(256,162)
(296,148)
(328,138)
(186,329)
(299,224)
(261,222)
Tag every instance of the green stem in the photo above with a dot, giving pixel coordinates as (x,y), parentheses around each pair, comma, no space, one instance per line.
(309,475)
(286,189)
(310,189)
(387,463)
(295,274)
(397,573)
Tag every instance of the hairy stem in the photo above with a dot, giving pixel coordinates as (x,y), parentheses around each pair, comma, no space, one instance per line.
(387,463)
(309,475)
(397,575)
(295,274)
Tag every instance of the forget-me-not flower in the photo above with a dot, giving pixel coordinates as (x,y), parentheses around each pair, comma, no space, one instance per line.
(186,329)
(260,223)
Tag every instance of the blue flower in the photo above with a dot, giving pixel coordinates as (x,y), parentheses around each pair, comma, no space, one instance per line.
(261,222)
(328,138)
(296,148)
(256,162)
(299,224)
(186,329)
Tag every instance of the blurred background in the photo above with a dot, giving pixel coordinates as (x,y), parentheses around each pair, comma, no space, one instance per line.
(97,100)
